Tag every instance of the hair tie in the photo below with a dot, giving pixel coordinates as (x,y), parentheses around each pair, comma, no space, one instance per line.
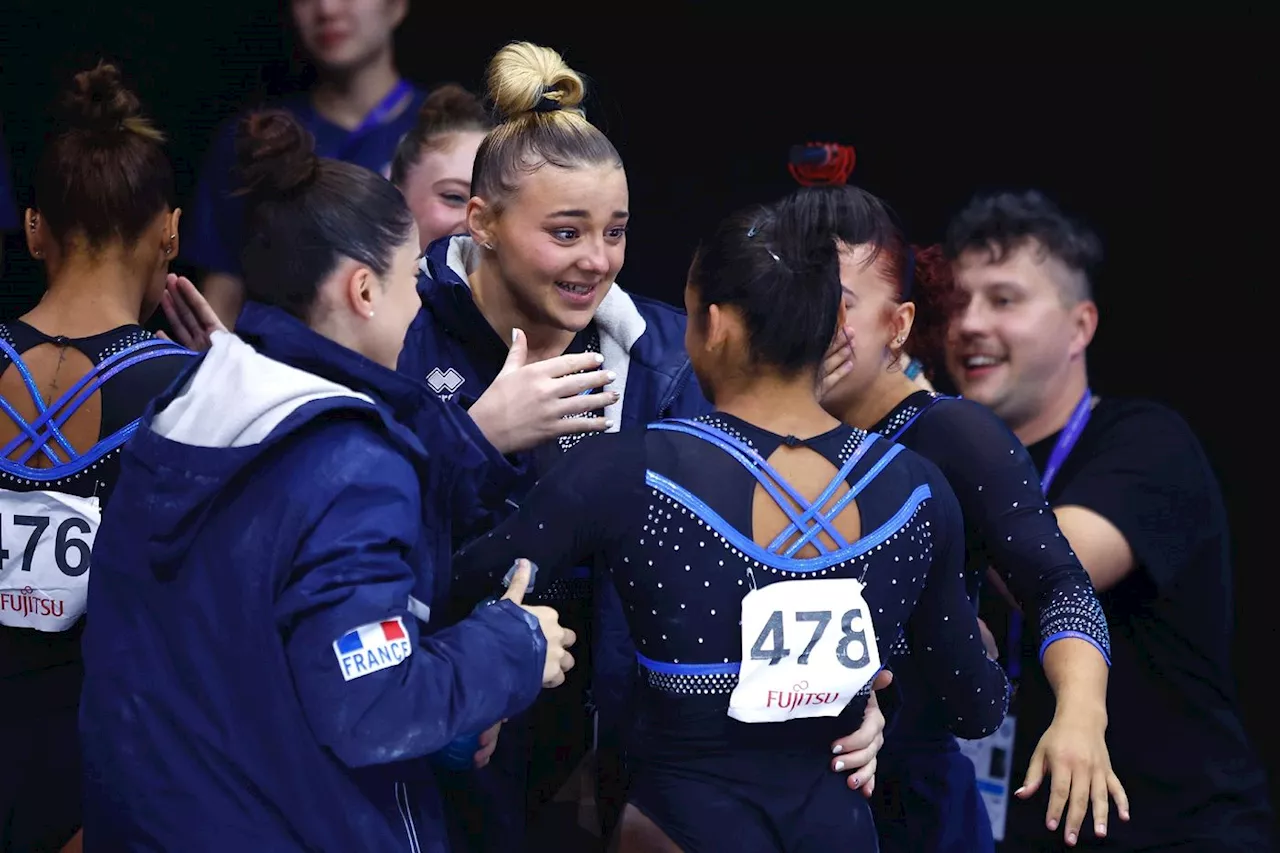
(546,105)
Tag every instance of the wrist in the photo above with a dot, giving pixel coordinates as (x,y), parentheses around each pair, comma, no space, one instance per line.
(490,426)
(1081,708)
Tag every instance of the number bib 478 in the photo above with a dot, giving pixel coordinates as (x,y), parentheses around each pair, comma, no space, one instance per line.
(45,543)
(808,647)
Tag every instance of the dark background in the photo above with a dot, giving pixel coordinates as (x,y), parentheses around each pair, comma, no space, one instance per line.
(1146,130)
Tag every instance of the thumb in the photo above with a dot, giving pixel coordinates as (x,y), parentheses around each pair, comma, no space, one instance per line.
(161,334)
(1035,775)
(517,354)
(882,680)
(519,583)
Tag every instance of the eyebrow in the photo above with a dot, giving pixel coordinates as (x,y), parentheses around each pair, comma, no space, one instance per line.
(582,214)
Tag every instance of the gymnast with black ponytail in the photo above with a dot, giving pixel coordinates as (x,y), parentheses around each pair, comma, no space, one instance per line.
(766,557)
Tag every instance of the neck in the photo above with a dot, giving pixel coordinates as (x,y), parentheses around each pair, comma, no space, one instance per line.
(885,394)
(1057,407)
(781,405)
(498,306)
(87,298)
(346,98)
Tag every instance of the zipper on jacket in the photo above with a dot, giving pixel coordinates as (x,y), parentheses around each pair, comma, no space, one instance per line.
(677,386)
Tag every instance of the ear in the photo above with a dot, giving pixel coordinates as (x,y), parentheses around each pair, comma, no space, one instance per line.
(904,317)
(842,315)
(480,220)
(33,230)
(363,290)
(724,327)
(399,9)
(1085,324)
(171,233)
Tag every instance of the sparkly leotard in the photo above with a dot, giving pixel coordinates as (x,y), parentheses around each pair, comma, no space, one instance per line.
(927,796)
(671,508)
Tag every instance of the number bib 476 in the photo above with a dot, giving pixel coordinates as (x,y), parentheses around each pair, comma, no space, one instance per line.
(808,647)
(45,543)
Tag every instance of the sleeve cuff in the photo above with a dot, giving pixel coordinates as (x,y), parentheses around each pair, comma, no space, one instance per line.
(1073,635)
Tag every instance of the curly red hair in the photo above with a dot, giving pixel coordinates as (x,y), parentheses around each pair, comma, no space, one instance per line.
(937,299)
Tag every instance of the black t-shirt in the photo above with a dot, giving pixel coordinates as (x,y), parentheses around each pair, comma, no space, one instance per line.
(1175,737)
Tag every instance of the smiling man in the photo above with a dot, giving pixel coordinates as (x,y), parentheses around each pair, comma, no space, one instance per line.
(1138,500)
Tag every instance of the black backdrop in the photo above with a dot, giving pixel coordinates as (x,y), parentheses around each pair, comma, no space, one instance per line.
(1147,133)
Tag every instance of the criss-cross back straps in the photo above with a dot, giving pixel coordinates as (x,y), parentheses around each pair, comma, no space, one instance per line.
(810,520)
(47,425)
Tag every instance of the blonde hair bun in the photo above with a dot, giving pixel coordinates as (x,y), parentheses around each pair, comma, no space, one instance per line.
(529,78)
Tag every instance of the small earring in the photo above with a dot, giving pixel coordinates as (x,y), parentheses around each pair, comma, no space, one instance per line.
(35,223)
(900,340)
(487,245)
(370,315)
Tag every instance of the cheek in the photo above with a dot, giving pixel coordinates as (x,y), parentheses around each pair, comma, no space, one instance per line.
(439,219)
(1024,331)
(617,256)
(870,331)
(542,262)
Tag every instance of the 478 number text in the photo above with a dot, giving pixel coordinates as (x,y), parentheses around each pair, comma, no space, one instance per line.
(773,631)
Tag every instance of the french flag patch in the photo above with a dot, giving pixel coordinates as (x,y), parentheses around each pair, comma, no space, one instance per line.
(372,648)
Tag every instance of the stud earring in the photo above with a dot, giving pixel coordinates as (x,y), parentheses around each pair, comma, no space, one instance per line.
(487,245)
(370,315)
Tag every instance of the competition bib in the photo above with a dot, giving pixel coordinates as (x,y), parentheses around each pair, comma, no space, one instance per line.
(808,647)
(45,543)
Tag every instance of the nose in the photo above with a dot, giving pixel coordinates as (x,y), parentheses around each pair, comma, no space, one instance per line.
(595,257)
(971,320)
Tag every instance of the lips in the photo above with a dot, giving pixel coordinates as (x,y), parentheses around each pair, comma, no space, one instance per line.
(330,39)
(575,293)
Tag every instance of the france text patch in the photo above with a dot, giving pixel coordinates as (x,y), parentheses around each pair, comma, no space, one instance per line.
(371,648)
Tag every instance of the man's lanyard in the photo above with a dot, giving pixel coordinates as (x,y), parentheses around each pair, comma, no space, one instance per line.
(1061,449)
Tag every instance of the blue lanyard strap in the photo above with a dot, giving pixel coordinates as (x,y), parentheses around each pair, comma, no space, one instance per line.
(382,113)
(1061,450)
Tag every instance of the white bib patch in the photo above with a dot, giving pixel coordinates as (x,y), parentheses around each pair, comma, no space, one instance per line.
(372,648)
(46,539)
(808,647)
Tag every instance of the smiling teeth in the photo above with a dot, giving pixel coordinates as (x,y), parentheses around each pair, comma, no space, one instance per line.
(575,288)
(981,361)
